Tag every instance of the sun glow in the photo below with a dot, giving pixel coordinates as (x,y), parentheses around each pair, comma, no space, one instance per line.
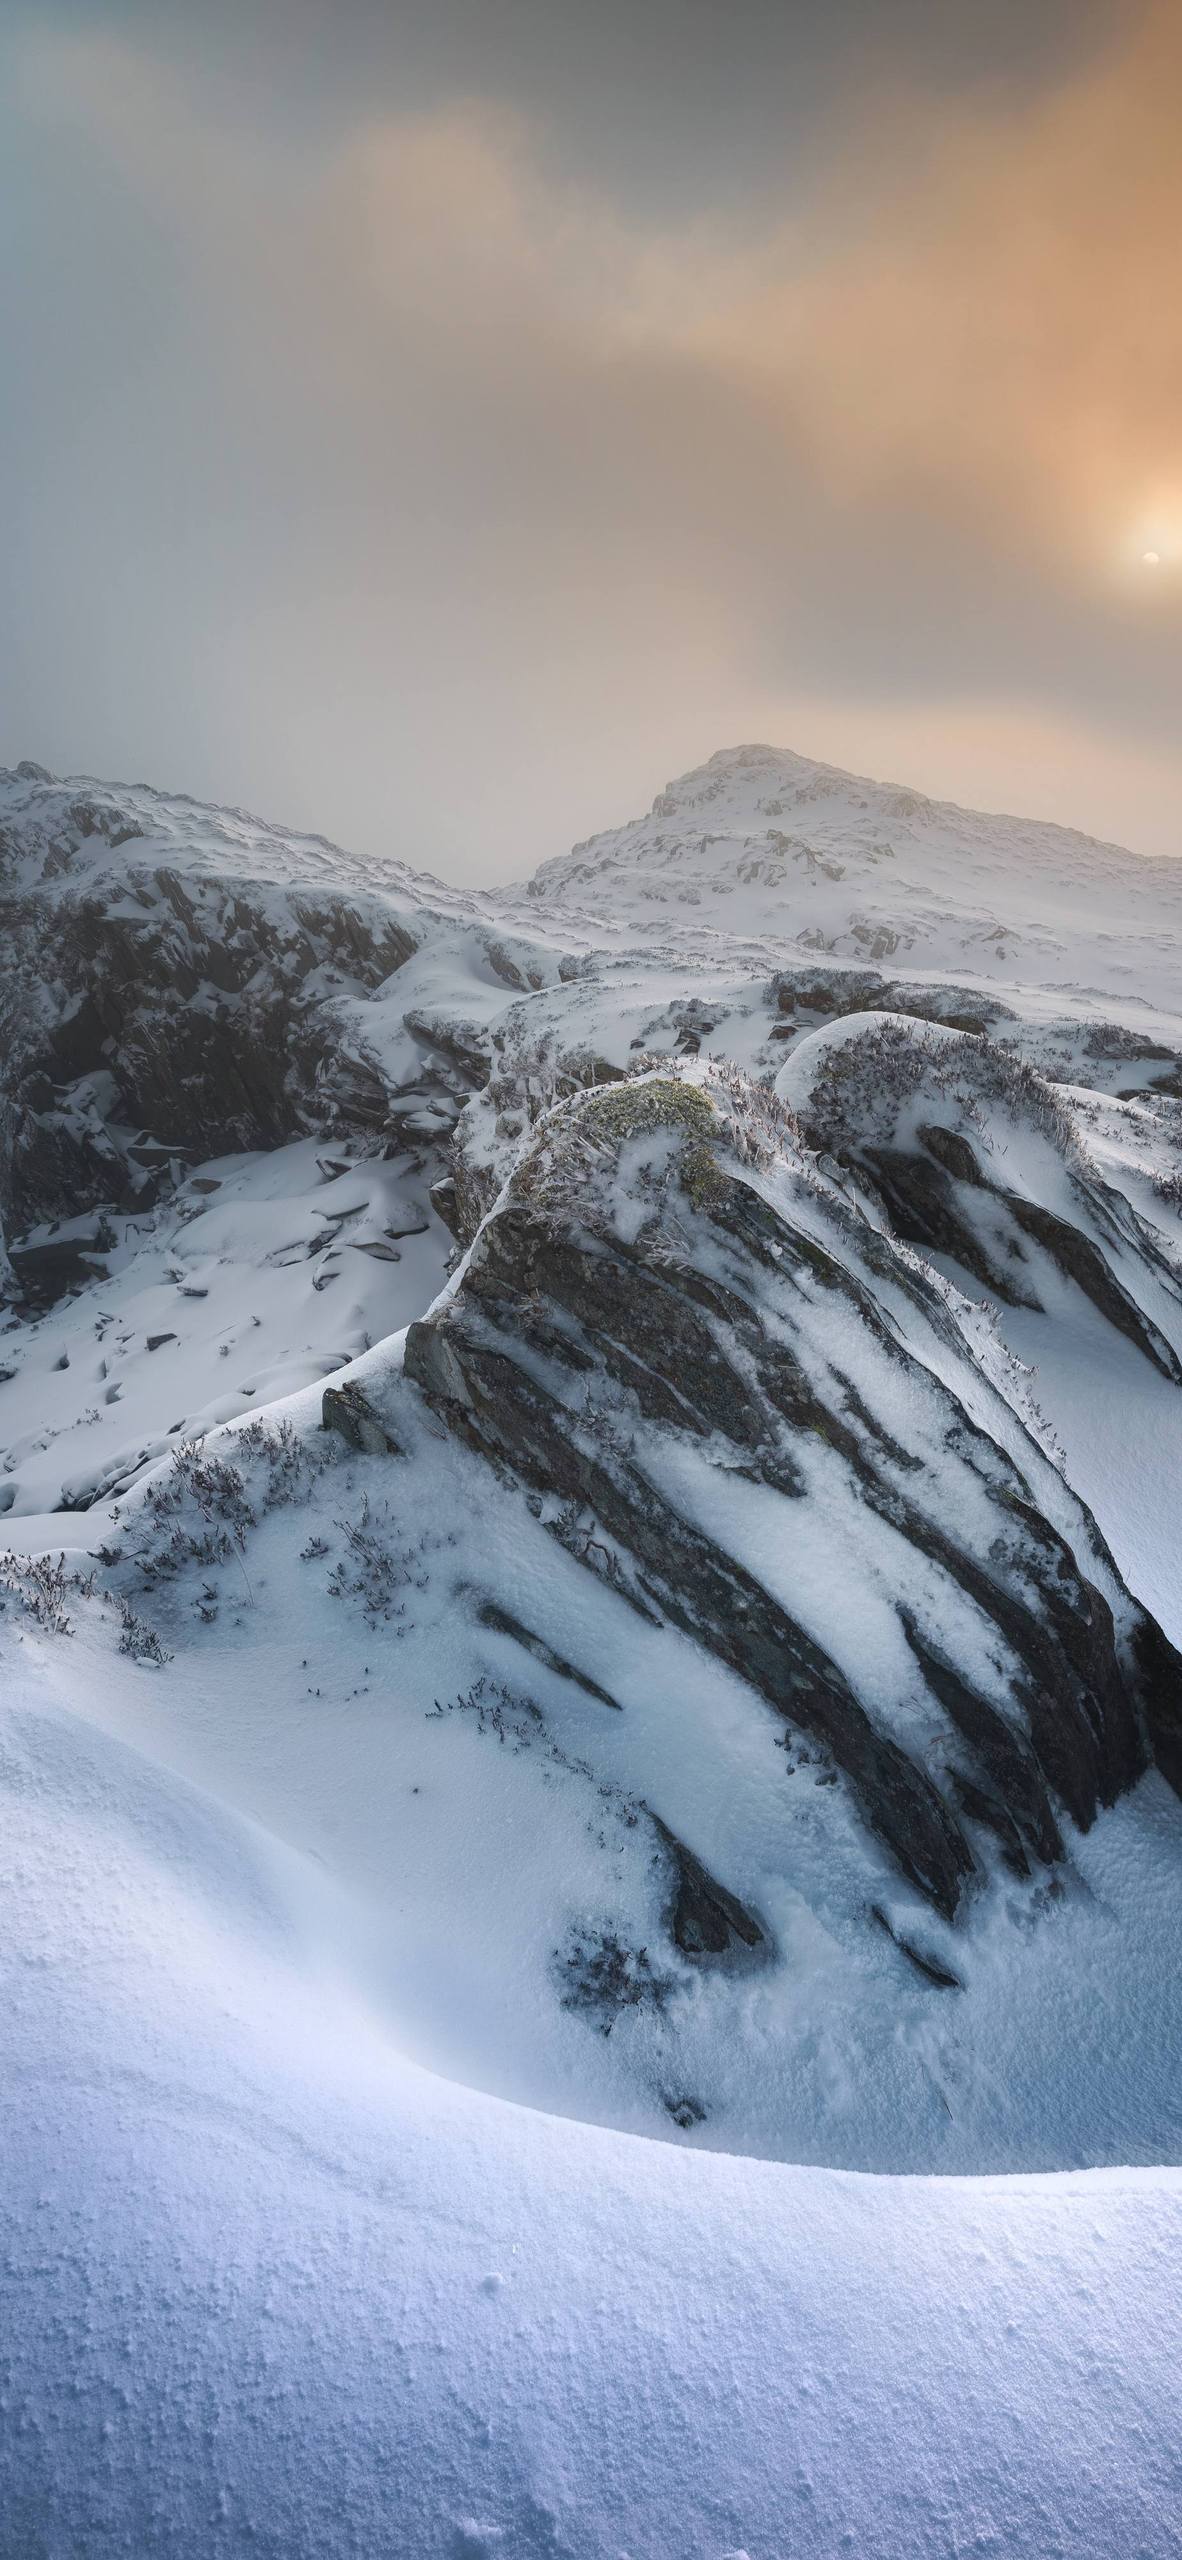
(1152,543)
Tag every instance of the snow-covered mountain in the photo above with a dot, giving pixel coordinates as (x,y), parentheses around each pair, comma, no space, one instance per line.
(764,847)
(593,1484)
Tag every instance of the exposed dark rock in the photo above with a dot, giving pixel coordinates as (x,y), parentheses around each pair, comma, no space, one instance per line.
(216,1007)
(1161,1671)
(504,1623)
(46,1272)
(954,1152)
(466,1048)
(442,1196)
(347,1411)
(706,1919)
(1082,1261)
(827,995)
(929,1966)
(921,1203)
(562,1330)
(941,1193)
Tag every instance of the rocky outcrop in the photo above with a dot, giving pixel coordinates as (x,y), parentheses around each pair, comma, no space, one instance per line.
(156,1011)
(683,1343)
(347,1411)
(195,996)
(974,1159)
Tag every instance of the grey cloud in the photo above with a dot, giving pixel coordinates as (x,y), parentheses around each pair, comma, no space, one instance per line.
(397,482)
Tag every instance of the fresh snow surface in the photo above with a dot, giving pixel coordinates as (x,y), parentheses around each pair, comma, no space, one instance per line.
(257,1275)
(271,2287)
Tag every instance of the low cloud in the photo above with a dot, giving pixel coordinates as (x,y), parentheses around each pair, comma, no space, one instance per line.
(409,489)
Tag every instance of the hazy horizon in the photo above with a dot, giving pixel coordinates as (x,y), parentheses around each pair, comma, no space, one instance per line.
(437,429)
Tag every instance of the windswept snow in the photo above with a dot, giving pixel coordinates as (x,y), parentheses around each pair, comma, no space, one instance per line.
(269,2286)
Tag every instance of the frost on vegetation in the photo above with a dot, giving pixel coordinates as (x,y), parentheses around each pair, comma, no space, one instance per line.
(600,1977)
(137,1639)
(517,1720)
(201,1510)
(529,1077)
(540,1090)
(290,1464)
(862,1084)
(377,1570)
(705,1111)
(43,1590)
(496,1710)
(203,1507)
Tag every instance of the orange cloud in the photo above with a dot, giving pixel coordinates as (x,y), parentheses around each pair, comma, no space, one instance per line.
(1002,321)
(461,446)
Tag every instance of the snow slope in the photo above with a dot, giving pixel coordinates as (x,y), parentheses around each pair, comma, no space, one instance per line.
(767,847)
(444,1993)
(258,1273)
(1098,1321)
(270,2287)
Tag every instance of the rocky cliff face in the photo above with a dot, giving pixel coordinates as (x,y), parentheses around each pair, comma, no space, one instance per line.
(975,1158)
(753,1417)
(706,1350)
(182,983)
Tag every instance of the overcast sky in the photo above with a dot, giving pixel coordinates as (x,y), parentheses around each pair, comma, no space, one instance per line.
(438,425)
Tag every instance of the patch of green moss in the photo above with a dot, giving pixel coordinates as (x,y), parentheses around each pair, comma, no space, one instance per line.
(661,1102)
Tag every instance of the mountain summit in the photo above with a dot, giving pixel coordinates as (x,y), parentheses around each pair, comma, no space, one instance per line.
(767,847)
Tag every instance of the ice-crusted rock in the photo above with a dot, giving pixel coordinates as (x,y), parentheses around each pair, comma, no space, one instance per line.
(764,1423)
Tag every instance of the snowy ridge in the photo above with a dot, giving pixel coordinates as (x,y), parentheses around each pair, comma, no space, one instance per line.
(764,846)
(51,827)
(589,1642)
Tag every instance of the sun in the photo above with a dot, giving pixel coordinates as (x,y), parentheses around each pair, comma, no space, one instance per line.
(1150,552)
